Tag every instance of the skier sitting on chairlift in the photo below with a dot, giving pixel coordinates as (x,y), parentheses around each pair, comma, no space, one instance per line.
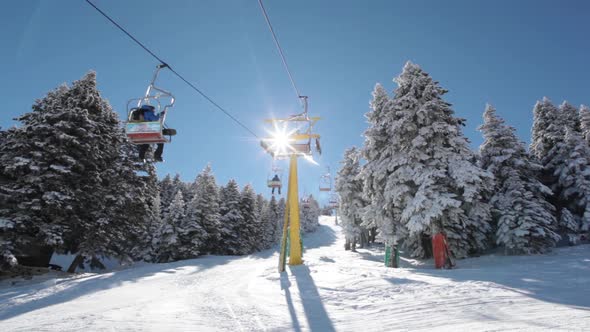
(276,179)
(147,113)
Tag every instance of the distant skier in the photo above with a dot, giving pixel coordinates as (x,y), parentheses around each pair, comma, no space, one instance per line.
(276,179)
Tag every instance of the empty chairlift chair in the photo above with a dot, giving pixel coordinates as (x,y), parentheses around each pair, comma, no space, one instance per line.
(326,181)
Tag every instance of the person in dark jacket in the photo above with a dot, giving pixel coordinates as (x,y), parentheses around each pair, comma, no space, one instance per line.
(148,113)
(276,179)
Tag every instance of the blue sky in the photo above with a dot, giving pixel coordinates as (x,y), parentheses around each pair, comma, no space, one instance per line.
(508,53)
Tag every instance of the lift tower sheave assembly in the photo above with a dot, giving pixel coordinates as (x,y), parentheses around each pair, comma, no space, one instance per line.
(286,142)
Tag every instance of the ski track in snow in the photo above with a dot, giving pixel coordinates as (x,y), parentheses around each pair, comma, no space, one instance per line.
(334,290)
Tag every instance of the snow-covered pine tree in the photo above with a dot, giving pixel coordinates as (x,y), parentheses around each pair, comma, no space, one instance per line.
(152,238)
(350,189)
(170,246)
(314,220)
(585,122)
(523,227)
(547,129)
(272,220)
(167,192)
(149,242)
(193,235)
(523,217)
(119,216)
(206,205)
(232,220)
(251,237)
(7,255)
(304,214)
(569,226)
(178,184)
(309,215)
(135,204)
(59,164)
(169,187)
(479,219)
(261,203)
(267,226)
(26,156)
(376,134)
(551,147)
(423,180)
(7,235)
(570,116)
(378,213)
(188,189)
(571,168)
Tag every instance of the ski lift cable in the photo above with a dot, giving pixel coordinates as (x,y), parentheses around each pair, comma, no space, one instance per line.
(173,71)
(276,40)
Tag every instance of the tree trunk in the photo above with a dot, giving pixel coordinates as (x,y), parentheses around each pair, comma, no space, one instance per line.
(32,253)
(364,238)
(394,257)
(347,244)
(77,261)
(373,234)
(426,245)
(96,263)
(354,244)
(391,256)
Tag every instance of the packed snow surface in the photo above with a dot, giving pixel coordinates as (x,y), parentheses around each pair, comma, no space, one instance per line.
(334,290)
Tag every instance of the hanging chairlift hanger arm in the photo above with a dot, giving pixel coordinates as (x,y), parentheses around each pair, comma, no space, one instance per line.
(301,116)
(302,149)
(160,92)
(151,96)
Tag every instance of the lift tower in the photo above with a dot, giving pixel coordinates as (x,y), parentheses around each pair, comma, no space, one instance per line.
(292,138)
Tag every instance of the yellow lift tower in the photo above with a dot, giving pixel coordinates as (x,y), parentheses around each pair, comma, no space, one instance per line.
(286,142)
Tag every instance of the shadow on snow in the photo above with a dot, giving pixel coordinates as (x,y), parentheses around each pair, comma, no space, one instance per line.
(13,299)
(56,291)
(323,236)
(559,277)
(315,313)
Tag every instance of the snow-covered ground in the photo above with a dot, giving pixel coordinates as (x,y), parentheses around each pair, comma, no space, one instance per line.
(334,290)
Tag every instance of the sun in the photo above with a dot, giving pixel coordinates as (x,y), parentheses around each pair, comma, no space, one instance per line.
(280,140)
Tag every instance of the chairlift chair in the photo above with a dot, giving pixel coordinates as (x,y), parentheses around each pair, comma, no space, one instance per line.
(300,141)
(326,181)
(333,202)
(149,132)
(305,201)
(278,171)
(274,184)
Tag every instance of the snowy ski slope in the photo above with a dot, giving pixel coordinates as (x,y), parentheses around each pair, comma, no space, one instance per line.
(334,290)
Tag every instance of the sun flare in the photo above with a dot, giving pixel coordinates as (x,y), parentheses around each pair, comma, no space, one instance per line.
(280,140)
